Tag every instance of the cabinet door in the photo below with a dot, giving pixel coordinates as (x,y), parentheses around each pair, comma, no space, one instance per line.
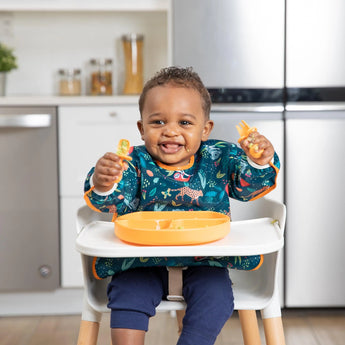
(315,188)
(85,134)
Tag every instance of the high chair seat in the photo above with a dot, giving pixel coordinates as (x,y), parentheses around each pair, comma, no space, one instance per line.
(253,290)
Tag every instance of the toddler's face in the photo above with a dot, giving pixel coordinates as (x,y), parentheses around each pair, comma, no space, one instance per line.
(173,124)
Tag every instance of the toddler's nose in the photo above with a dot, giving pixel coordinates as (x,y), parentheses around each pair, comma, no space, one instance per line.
(171,130)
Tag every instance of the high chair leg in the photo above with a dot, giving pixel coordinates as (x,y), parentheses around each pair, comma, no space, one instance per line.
(249,326)
(274,332)
(88,333)
(179,317)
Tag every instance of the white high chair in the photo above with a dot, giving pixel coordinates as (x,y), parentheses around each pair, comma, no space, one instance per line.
(253,290)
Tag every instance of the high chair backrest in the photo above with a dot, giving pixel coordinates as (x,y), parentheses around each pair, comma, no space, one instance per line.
(263,207)
(85,216)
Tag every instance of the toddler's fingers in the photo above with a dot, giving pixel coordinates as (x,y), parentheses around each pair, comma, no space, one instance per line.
(102,182)
(110,171)
(258,148)
(111,156)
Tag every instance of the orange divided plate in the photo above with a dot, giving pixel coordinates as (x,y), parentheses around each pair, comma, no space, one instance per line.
(172,227)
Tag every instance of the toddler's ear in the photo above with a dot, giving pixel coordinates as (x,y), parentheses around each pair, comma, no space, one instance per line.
(141,128)
(207,130)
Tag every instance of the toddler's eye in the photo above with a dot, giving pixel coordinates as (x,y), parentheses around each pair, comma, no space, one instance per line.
(185,123)
(158,122)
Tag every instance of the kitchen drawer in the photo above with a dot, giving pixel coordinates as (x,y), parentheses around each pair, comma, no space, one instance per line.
(85,134)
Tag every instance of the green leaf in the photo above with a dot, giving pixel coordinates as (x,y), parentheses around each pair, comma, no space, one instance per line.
(202,179)
(127,263)
(214,263)
(153,192)
(7,59)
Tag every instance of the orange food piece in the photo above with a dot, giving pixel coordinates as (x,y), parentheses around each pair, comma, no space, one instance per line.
(255,152)
(244,131)
(122,151)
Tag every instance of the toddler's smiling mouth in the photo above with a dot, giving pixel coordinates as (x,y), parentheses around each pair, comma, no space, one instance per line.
(170,147)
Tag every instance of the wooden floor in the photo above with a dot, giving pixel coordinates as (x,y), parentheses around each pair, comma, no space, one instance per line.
(307,327)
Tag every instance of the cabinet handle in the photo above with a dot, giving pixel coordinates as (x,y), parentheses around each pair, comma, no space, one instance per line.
(113,114)
(25,120)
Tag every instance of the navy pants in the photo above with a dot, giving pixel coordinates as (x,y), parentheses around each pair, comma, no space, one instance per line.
(134,295)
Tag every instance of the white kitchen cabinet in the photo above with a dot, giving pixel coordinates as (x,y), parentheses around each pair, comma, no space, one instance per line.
(85,134)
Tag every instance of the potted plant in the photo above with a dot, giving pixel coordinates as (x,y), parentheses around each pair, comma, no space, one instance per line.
(8,62)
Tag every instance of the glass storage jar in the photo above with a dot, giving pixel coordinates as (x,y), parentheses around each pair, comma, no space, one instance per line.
(133,52)
(69,83)
(101,77)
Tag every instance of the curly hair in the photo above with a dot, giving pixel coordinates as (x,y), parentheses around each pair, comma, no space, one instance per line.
(179,77)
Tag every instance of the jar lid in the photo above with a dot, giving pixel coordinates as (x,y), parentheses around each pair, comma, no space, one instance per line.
(69,71)
(101,61)
(132,37)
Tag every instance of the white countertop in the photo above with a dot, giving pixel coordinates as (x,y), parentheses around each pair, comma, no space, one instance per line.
(84,5)
(58,100)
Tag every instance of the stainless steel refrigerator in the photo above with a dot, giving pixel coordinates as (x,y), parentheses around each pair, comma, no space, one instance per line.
(315,155)
(280,65)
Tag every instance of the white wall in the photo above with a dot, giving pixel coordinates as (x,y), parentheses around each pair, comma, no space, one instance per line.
(47,41)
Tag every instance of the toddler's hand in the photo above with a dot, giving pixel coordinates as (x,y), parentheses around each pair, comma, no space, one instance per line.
(259,142)
(108,170)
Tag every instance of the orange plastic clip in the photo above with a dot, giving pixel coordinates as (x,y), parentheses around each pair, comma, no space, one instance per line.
(122,152)
(244,130)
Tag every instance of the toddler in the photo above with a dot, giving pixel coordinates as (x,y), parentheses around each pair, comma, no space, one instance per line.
(179,169)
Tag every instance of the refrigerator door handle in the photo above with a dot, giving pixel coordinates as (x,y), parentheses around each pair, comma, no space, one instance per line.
(315,106)
(25,121)
(247,108)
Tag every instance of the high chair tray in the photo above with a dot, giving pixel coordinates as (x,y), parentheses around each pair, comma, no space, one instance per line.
(247,237)
(172,227)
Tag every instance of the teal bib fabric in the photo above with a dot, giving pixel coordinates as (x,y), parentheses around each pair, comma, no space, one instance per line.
(217,172)
(104,267)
